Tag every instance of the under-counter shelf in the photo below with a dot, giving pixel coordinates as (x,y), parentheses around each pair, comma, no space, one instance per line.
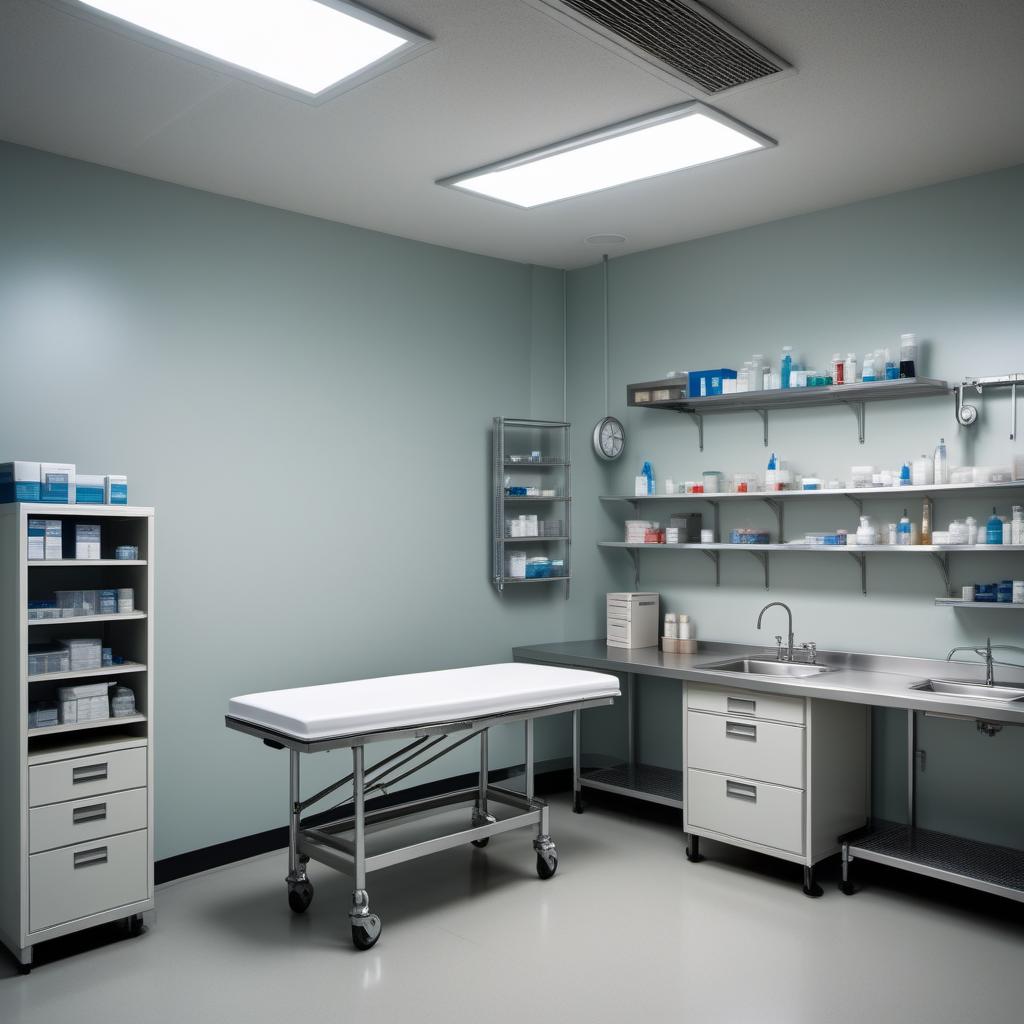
(853,396)
(641,781)
(58,563)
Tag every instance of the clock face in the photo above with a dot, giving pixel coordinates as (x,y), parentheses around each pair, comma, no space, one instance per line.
(609,438)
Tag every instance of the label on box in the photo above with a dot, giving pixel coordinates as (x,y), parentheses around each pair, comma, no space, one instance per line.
(36,539)
(54,539)
(87,541)
(57,482)
(115,490)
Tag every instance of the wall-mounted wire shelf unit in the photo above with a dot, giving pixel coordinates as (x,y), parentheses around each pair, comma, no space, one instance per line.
(854,396)
(554,472)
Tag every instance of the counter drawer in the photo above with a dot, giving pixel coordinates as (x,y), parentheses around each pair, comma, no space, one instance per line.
(78,777)
(757,812)
(88,878)
(752,749)
(725,701)
(81,821)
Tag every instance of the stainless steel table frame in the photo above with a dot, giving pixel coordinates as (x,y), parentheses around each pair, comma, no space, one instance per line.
(341,843)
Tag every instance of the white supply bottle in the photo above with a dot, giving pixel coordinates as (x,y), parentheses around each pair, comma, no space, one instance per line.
(972,530)
(850,368)
(866,532)
(941,462)
(1017,525)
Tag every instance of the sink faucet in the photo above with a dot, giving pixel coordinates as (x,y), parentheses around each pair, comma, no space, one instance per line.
(789,648)
(986,653)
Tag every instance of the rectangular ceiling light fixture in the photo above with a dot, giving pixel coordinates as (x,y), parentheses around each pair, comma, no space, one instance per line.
(644,147)
(312,46)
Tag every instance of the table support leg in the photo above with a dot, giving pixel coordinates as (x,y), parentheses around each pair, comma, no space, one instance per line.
(577,740)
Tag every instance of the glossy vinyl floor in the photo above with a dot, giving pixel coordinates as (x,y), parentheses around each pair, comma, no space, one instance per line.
(627,929)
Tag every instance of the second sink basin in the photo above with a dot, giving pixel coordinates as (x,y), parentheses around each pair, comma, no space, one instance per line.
(952,688)
(759,667)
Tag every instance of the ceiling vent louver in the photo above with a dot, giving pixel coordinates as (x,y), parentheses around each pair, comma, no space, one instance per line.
(679,38)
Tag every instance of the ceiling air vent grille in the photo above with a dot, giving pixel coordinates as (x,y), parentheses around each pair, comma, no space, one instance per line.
(681,37)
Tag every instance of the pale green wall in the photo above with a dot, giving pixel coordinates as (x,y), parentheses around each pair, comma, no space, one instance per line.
(944,262)
(307,405)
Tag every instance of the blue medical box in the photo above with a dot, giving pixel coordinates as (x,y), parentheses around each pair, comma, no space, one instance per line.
(705,383)
(19,481)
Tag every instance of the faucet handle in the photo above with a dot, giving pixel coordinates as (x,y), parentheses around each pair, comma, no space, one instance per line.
(778,641)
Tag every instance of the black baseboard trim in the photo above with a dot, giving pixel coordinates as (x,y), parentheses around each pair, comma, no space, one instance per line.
(550,777)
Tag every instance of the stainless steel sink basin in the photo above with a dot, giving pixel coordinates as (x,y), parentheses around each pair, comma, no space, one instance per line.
(758,667)
(952,688)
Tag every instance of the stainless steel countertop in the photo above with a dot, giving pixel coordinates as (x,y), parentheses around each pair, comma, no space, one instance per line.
(879,680)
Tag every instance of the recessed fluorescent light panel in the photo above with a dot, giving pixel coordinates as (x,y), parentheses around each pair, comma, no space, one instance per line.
(314,47)
(644,147)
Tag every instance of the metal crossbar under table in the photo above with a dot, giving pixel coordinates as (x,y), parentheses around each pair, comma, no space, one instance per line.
(341,842)
(968,862)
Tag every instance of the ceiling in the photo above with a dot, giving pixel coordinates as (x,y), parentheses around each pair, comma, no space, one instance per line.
(888,95)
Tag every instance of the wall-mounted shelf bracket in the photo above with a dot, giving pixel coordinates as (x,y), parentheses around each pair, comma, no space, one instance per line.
(762,557)
(942,560)
(780,516)
(635,556)
(699,420)
(763,413)
(713,555)
(858,503)
(862,561)
(859,410)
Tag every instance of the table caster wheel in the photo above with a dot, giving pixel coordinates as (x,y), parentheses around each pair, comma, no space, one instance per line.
(366,934)
(24,969)
(135,926)
(547,865)
(847,888)
(300,895)
(481,843)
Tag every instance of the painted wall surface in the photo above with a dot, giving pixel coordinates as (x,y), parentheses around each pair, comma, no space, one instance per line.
(307,405)
(944,262)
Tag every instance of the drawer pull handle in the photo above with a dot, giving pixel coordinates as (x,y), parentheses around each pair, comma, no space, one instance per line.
(741,791)
(88,858)
(89,773)
(740,706)
(741,730)
(94,812)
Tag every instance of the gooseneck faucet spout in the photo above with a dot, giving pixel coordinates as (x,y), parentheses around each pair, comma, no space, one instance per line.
(789,648)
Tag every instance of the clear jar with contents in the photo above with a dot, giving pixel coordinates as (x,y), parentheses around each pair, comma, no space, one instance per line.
(908,355)
(712,480)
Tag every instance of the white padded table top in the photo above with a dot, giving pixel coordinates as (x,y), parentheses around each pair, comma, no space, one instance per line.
(422,698)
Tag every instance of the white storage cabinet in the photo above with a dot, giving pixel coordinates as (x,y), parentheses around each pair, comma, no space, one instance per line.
(781,775)
(76,806)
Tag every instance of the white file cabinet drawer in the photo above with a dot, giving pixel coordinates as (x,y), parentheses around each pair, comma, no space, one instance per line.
(88,878)
(78,777)
(80,821)
(750,748)
(723,701)
(757,812)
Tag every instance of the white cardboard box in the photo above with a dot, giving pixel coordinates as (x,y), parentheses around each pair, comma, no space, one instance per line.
(633,619)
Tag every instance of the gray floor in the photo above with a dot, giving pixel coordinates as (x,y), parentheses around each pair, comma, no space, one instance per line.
(627,927)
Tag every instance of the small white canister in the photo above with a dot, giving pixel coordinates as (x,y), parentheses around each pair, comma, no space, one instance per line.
(707,536)
(671,626)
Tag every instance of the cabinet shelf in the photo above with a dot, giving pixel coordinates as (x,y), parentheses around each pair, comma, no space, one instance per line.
(58,563)
(853,396)
(103,723)
(527,540)
(74,619)
(86,673)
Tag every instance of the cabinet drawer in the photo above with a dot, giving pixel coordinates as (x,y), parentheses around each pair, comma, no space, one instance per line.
(724,701)
(81,821)
(86,776)
(757,812)
(751,748)
(88,878)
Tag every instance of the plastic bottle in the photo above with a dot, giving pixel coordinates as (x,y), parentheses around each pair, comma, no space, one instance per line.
(648,471)
(770,473)
(972,530)
(926,522)
(837,369)
(866,532)
(1017,525)
(903,537)
(941,462)
(892,368)
(869,368)
(786,366)
(757,373)
(908,355)
(850,369)
(904,480)
(994,529)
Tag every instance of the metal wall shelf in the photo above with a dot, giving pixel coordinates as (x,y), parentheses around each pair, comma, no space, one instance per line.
(858,552)
(525,436)
(853,396)
(981,606)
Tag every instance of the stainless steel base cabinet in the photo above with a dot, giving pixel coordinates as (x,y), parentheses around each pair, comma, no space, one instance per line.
(781,775)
